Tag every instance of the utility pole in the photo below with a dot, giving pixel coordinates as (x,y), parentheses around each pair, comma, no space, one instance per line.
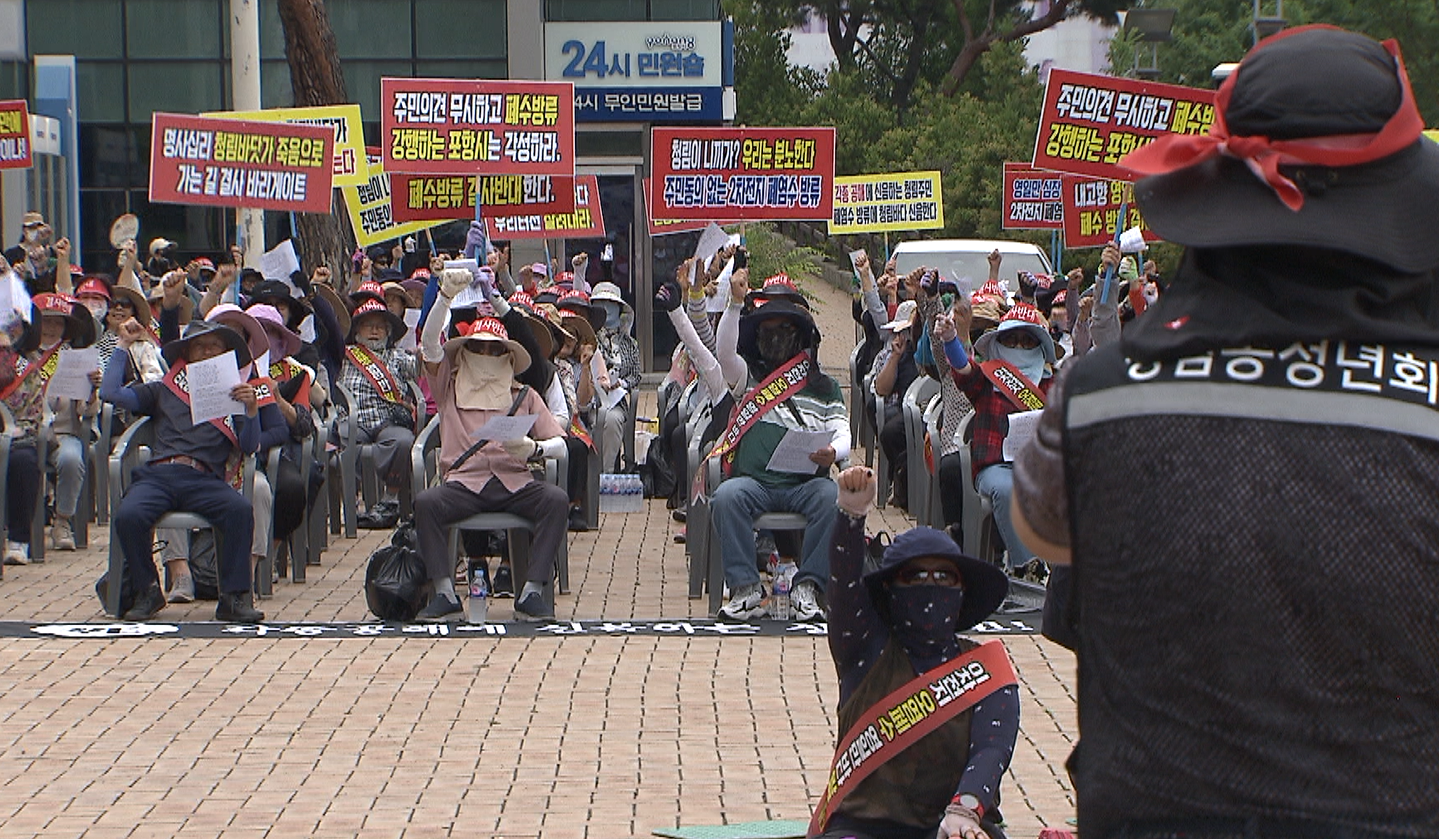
(245,87)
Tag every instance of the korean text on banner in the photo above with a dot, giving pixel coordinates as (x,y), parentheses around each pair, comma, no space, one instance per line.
(877,203)
(586,221)
(1089,122)
(349,161)
(743,173)
(1091,212)
(237,163)
(477,127)
(368,205)
(664,227)
(15,151)
(452,197)
(1032,200)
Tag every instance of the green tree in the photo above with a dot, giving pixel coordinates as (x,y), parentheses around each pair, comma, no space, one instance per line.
(768,89)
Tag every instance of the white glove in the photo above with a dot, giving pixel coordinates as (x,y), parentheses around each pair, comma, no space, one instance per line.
(521,448)
(454,280)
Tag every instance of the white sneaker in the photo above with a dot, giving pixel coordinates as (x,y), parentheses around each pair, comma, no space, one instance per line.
(804,602)
(16,553)
(746,604)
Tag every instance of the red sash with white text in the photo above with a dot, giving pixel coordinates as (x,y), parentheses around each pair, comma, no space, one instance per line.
(780,385)
(286,369)
(1016,387)
(378,375)
(178,381)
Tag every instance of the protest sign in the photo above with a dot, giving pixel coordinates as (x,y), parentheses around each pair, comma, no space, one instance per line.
(586,221)
(743,173)
(348,167)
(1091,212)
(450,197)
(1089,122)
(237,163)
(368,205)
(664,227)
(71,379)
(1032,200)
(210,383)
(477,127)
(881,203)
(15,151)
(279,262)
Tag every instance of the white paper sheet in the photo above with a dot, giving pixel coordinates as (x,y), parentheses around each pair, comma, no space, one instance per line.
(853,258)
(505,428)
(71,379)
(211,381)
(1132,240)
(1022,427)
(792,453)
(611,398)
(711,240)
(280,261)
(412,319)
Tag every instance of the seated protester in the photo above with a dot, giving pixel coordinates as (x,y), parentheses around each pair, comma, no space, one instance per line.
(570,369)
(779,344)
(397,298)
(871,312)
(1015,377)
(1093,322)
(94,294)
(190,469)
(893,630)
(894,371)
(327,351)
(473,379)
(1058,317)
(622,359)
(378,376)
(295,391)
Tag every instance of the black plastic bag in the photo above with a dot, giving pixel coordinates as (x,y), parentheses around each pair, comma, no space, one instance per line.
(396,584)
(657,474)
(204,565)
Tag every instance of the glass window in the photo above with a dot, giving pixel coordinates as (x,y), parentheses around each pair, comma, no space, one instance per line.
(14,80)
(272,32)
(497,69)
(183,87)
(684,10)
(85,28)
(100,91)
(371,29)
(105,156)
(200,231)
(173,28)
(362,81)
(437,34)
(609,143)
(275,90)
(98,208)
(595,10)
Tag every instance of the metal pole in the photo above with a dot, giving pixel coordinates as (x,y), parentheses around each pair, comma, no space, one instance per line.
(245,83)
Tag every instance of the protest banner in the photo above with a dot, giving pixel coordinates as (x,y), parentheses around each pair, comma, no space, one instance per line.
(238,163)
(1091,212)
(1032,200)
(349,167)
(743,173)
(477,127)
(1089,122)
(585,221)
(15,151)
(451,197)
(664,227)
(369,207)
(881,203)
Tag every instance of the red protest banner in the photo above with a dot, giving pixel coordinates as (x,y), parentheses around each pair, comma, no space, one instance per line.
(1032,199)
(449,197)
(743,173)
(477,127)
(1091,212)
(238,163)
(1089,122)
(586,221)
(664,227)
(15,152)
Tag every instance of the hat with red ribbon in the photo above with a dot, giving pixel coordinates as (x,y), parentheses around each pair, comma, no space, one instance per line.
(487,329)
(372,307)
(368,289)
(778,287)
(79,323)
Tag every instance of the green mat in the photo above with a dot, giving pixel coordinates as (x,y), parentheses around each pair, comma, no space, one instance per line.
(743,830)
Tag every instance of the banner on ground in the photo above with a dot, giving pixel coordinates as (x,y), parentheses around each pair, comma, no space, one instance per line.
(239,163)
(585,221)
(1032,199)
(452,197)
(369,207)
(1091,212)
(477,127)
(15,151)
(743,173)
(879,203)
(349,167)
(1089,121)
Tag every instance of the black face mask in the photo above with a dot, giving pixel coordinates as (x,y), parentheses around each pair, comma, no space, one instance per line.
(922,619)
(777,346)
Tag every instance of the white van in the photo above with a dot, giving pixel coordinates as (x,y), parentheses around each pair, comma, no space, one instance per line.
(966,261)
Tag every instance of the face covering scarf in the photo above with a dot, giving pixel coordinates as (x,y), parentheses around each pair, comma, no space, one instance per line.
(483,381)
(1028,362)
(777,347)
(922,620)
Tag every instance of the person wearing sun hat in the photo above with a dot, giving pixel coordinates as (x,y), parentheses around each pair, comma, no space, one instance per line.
(1244,483)
(473,380)
(895,369)
(622,361)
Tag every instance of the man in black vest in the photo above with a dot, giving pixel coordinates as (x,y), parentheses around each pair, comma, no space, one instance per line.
(1257,637)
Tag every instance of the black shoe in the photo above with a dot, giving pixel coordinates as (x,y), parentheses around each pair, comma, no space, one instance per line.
(441,609)
(238,608)
(503,585)
(679,516)
(533,607)
(680,537)
(147,604)
(578,522)
(383,516)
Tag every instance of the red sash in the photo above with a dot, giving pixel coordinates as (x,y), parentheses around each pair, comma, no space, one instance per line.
(905,716)
(179,384)
(378,375)
(286,369)
(780,385)
(578,431)
(44,367)
(1016,387)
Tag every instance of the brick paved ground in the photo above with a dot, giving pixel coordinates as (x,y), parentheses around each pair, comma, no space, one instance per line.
(559,738)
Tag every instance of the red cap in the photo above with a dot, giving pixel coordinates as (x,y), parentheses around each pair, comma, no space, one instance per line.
(93,287)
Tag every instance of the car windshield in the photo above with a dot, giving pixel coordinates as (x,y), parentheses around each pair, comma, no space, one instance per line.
(971,268)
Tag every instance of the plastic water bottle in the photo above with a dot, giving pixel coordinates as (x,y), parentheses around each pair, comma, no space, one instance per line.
(479,605)
(779,591)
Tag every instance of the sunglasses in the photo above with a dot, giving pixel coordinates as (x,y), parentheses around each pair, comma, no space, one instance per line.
(927,576)
(1018,339)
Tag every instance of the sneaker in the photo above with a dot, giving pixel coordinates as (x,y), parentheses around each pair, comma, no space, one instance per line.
(440,610)
(182,590)
(680,536)
(804,602)
(503,585)
(147,604)
(532,607)
(1034,571)
(17,553)
(746,604)
(62,535)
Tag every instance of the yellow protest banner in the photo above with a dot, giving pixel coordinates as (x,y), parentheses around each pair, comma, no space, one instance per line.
(897,201)
(368,205)
(350,167)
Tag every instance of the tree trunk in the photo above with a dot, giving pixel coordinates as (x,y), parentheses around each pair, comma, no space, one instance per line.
(977,45)
(315,79)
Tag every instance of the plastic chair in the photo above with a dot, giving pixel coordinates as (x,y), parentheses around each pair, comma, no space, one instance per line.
(932,416)
(919,393)
(358,474)
(980,537)
(861,429)
(881,463)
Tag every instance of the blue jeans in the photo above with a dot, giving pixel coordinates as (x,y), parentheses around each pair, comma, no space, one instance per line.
(996,483)
(739,500)
(159,489)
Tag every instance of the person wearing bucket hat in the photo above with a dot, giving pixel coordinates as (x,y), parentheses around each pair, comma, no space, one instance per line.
(895,369)
(379,378)
(1259,657)
(194,467)
(893,630)
(621,356)
(473,381)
